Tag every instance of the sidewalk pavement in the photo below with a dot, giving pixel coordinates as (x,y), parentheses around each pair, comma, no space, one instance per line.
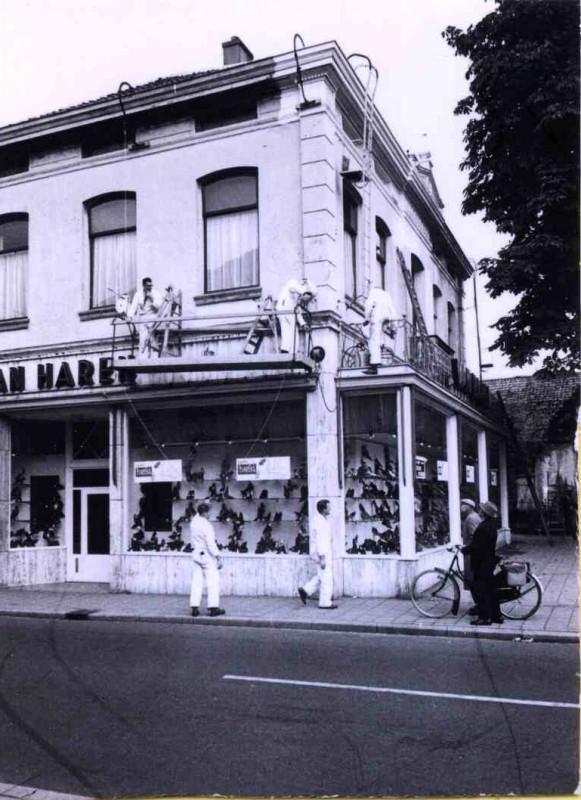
(557,620)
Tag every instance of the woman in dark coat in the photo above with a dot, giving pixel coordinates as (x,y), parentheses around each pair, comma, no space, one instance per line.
(483,557)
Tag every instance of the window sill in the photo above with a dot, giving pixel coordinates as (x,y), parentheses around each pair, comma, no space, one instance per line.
(14,324)
(227,295)
(103,312)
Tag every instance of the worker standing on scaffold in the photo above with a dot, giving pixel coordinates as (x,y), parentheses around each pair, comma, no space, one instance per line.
(379,311)
(294,296)
(145,305)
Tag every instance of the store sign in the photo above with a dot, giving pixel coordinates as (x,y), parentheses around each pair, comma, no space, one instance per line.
(442,467)
(470,473)
(43,376)
(169,471)
(421,467)
(276,468)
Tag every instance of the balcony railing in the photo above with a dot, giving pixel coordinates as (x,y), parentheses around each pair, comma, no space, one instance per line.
(403,345)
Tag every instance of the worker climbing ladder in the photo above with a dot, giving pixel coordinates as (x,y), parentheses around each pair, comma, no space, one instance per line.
(264,324)
(409,282)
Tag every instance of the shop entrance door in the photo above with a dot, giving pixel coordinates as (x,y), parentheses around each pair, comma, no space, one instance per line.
(90,558)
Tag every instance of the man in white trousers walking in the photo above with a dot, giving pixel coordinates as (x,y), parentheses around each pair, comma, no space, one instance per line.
(206,562)
(321,552)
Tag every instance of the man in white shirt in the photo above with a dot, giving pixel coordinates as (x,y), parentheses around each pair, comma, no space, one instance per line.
(321,551)
(206,563)
(379,309)
(294,296)
(145,305)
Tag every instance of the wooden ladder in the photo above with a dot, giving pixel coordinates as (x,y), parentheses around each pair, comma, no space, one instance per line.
(264,323)
(409,281)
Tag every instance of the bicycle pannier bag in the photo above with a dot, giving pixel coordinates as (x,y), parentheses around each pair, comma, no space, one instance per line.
(516,573)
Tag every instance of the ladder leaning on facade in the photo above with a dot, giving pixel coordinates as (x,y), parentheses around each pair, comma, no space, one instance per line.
(265,323)
(409,282)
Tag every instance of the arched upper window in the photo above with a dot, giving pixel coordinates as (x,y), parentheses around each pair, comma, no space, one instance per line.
(13,265)
(112,236)
(452,327)
(437,295)
(418,272)
(382,234)
(230,203)
(353,276)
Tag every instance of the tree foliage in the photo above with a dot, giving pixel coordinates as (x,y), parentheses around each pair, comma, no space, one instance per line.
(522,146)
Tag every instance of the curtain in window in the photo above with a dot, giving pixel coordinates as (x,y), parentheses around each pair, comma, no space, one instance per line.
(13,272)
(232,250)
(114,267)
(350,264)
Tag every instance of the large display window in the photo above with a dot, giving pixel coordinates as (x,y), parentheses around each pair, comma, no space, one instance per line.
(36,493)
(371,474)
(469,462)
(493,443)
(248,461)
(432,518)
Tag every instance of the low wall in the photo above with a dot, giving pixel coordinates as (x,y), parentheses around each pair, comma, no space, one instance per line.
(251,576)
(29,566)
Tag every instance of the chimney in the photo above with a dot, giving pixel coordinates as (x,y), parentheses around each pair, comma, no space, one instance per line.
(236,52)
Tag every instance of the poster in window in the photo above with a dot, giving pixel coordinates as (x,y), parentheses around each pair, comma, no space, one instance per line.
(421,462)
(167,471)
(442,467)
(470,473)
(494,477)
(276,468)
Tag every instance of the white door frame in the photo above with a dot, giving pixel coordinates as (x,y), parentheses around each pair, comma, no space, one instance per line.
(84,566)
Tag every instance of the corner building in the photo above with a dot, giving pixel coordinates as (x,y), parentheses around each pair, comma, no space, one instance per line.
(225,185)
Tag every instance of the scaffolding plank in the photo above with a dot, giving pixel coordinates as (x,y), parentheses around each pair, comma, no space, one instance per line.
(214,363)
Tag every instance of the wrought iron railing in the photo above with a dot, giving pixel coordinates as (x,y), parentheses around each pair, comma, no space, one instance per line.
(403,345)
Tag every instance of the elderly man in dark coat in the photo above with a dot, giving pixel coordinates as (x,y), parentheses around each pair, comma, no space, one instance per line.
(482,551)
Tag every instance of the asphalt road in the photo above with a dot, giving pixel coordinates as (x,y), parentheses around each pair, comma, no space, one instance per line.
(106,709)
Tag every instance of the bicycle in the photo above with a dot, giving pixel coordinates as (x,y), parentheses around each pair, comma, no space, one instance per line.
(436,592)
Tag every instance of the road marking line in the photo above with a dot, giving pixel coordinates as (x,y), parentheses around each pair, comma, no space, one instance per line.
(386,690)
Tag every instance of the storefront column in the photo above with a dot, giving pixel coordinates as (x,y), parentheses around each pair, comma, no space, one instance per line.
(119,489)
(482,467)
(323,452)
(407,519)
(453,456)
(503,481)
(5,480)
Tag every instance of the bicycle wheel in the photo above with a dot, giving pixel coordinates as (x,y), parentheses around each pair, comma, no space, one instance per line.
(434,593)
(523,601)
(353,357)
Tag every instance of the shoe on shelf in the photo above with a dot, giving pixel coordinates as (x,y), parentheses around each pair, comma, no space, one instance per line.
(195,611)
(473,612)
(303,595)
(215,612)
(481,622)
(328,607)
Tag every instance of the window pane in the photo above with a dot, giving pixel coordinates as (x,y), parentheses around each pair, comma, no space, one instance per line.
(232,251)
(226,194)
(493,468)
(114,267)
(431,479)
(349,246)
(13,235)
(13,273)
(113,215)
(469,462)
(91,440)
